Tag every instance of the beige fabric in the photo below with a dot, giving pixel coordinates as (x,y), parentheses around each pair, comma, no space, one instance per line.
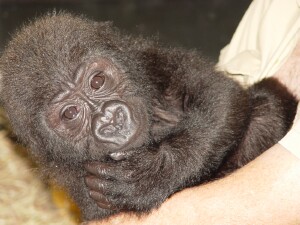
(264,39)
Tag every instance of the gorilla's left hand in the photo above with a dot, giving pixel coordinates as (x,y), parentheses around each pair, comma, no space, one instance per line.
(137,183)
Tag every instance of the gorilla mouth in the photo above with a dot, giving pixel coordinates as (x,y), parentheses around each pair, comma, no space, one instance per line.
(115,125)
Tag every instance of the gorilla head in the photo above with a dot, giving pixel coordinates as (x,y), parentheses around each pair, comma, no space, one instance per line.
(77,90)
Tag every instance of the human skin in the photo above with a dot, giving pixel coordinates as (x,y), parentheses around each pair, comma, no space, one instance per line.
(266,191)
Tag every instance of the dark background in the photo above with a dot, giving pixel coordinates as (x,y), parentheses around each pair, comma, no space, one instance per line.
(206,25)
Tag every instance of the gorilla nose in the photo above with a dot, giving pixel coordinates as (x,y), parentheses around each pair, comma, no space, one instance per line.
(114,124)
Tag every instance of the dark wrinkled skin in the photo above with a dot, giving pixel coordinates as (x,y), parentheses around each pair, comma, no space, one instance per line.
(123,123)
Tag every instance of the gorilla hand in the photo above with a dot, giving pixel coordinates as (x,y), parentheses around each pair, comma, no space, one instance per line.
(138,182)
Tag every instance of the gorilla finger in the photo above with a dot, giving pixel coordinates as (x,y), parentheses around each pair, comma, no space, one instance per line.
(94,183)
(98,169)
(101,201)
(119,156)
(109,171)
(104,187)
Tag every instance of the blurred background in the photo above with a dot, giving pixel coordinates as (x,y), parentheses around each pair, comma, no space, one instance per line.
(206,25)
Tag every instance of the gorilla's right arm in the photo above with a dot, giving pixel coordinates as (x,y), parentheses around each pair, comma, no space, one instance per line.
(200,117)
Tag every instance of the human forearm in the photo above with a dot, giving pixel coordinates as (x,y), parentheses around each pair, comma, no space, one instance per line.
(263,192)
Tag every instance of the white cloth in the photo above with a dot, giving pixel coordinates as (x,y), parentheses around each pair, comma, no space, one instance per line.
(264,39)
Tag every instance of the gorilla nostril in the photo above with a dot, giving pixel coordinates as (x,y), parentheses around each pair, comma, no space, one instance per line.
(114,124)
(106,118)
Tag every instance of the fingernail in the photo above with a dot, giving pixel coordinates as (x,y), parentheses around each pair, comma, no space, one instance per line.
(118,156)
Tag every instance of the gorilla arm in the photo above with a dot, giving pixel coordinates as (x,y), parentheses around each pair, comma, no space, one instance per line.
(144,179)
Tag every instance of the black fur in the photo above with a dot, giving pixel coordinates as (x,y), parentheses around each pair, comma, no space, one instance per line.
(202,124)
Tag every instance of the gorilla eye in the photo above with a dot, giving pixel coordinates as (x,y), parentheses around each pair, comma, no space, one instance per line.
(70,113)
(97,81)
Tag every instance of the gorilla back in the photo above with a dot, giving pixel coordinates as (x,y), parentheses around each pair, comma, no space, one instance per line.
(121,122)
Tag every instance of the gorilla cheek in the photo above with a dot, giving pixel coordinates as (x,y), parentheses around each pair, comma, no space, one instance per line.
(115,125)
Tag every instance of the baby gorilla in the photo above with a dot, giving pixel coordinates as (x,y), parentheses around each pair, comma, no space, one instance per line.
(123,123)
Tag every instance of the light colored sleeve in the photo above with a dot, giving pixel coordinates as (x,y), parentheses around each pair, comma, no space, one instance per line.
(264,39)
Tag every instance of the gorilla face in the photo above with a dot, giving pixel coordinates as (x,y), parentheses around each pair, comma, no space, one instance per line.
(95,106)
